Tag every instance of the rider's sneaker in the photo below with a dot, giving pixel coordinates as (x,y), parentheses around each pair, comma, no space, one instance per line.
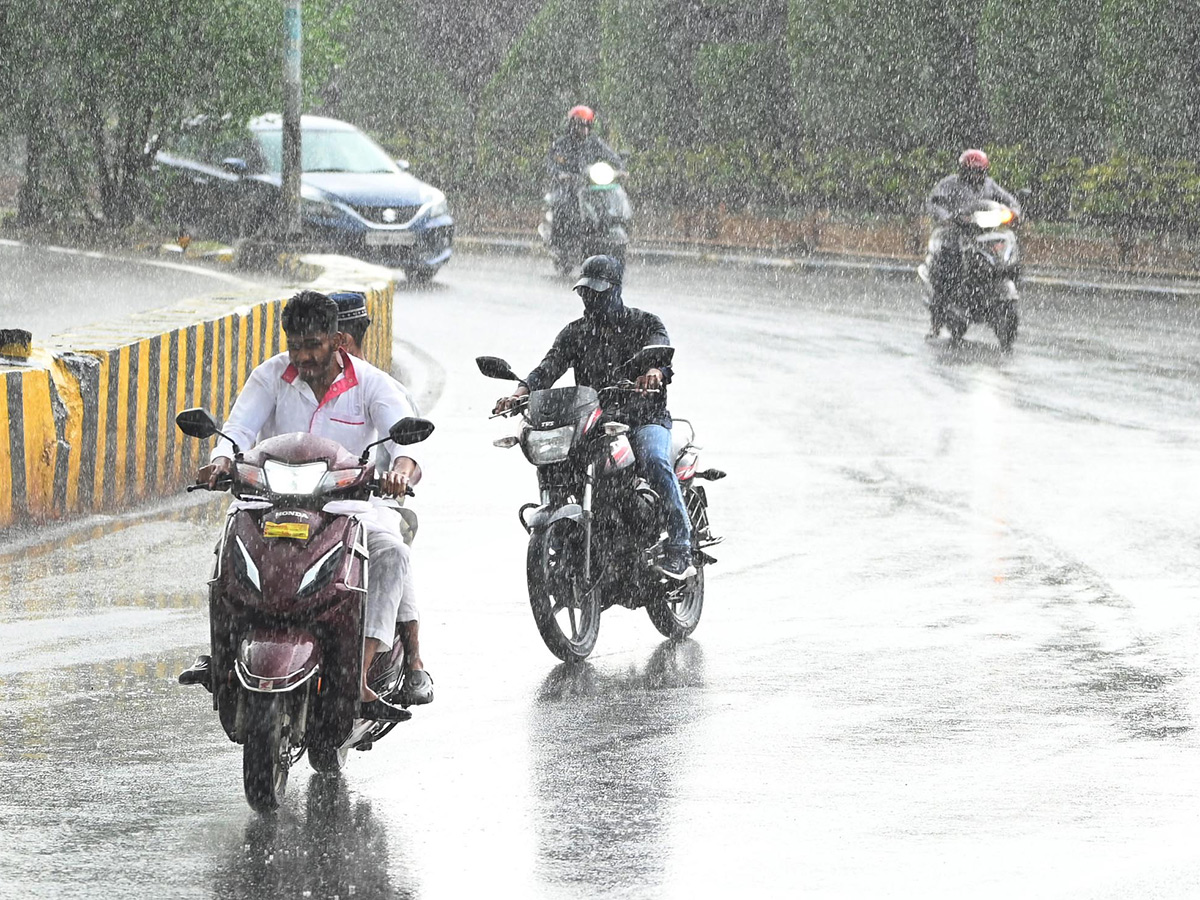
(417,689)
(381,711)
(677,563)
(198,672)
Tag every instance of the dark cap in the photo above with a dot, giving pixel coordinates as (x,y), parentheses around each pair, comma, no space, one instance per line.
(352,306)
(600,273)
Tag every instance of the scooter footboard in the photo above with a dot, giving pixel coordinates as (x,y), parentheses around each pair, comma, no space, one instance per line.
(277,660)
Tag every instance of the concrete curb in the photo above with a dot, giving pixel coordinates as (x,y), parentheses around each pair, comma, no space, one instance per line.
(87,424)
(849,264)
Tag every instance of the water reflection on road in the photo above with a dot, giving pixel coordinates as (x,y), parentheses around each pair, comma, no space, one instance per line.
(605,750)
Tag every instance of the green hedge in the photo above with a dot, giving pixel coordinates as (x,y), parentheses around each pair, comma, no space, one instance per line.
(1120,191)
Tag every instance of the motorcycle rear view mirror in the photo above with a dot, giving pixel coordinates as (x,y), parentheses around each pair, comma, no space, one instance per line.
(495,367)
(654,356)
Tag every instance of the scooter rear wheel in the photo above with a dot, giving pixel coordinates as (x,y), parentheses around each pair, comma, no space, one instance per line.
(566,613)
(266,755)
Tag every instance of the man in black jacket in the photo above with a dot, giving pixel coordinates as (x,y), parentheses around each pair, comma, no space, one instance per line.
(569,158)
(595,346)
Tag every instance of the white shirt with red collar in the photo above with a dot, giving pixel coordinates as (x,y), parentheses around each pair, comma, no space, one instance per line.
(362,403)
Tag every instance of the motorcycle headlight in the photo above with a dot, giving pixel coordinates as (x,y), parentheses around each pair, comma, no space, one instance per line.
(549,446)
(302,479)
(601,173)
(993,218)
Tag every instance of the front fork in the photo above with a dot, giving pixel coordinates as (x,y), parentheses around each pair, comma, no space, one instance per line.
(588,482)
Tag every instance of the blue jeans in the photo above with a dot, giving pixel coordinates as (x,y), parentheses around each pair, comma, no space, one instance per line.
(652,449)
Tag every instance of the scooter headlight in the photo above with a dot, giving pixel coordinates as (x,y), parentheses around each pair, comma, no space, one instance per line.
(551,446)
(993,218)
(321,572)
(302,479)
(602,173)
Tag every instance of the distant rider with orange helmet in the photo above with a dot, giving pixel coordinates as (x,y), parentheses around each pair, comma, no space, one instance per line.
(950,195)
(571,154)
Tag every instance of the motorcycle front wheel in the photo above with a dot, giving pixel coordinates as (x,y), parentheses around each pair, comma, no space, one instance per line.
(676,613)
(266,755)
(566,612)
(327,760)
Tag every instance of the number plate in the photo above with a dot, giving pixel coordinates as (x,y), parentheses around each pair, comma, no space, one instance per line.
(295,530)
(390,238)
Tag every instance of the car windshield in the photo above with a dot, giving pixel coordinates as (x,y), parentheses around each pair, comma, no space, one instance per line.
(327,151)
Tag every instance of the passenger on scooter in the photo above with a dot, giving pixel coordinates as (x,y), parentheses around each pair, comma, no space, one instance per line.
(595,346)
(353,322)
(358,404)
(950,195)
(570,156)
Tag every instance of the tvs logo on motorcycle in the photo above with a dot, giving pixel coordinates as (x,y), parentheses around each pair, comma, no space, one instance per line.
(294,530)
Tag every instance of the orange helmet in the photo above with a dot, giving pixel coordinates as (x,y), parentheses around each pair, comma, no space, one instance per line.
(973,161)
(581,113)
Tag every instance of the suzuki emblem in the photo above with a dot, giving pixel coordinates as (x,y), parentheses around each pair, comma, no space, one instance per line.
(389,215)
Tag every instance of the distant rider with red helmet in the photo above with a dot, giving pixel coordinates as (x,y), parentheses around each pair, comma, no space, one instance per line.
(571,154)
(950,195)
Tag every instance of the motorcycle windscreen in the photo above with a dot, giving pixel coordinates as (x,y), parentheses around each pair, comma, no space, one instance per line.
(562,406)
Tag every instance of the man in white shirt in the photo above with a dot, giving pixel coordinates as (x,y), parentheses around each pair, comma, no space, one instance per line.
(357,405)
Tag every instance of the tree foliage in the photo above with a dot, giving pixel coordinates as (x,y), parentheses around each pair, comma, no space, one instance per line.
(98,84)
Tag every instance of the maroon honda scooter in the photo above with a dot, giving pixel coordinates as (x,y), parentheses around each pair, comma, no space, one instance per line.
(286,604)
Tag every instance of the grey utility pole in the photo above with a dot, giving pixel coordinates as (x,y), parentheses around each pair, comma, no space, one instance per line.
(289,219)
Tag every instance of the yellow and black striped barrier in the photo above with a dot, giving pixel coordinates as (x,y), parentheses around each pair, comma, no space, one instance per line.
(88,424)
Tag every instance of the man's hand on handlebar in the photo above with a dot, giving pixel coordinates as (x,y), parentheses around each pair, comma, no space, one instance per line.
(397,481)
(221,467)
(651,382)
(505,404)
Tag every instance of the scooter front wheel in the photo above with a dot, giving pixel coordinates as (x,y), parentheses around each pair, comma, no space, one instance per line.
(565,610)
(266,754)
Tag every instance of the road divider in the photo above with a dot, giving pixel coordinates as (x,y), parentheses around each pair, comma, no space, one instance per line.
(87,422)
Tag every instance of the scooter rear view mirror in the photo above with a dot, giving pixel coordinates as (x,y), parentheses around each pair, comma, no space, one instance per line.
(410,430)
(196,423)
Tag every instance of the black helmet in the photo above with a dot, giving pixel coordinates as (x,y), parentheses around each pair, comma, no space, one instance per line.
(600,273)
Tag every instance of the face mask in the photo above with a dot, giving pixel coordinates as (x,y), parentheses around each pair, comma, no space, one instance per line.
(599,305)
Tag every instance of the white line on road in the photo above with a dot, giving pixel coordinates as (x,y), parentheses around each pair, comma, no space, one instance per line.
(158,263)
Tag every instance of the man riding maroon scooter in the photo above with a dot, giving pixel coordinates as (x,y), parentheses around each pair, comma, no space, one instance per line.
(306,649)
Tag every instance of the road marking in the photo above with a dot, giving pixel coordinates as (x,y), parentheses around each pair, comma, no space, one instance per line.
(156,263)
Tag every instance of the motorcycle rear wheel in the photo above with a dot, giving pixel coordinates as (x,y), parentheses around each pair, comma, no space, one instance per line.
(327,760)
(266,755)
(677,615)
(566,613)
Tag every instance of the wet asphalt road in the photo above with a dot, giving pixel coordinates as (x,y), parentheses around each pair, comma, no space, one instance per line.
(49,291)
(949,650)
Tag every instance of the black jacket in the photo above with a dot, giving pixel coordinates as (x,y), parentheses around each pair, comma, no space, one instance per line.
(953,192)
(570,155)
(595,348)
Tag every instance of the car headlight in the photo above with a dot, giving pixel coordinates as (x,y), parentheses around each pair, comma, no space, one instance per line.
(302,479)
(437,206)
(550,446)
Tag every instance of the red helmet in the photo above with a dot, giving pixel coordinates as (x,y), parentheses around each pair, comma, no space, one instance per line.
(973,161)
(581,113)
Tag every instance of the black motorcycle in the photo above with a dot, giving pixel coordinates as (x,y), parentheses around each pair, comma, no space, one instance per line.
(597,535)
(984,289)
(601,221)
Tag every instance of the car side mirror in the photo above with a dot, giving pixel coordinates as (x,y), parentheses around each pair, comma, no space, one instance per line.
(235,166)
(410,430)
(495,367)
(403,165)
